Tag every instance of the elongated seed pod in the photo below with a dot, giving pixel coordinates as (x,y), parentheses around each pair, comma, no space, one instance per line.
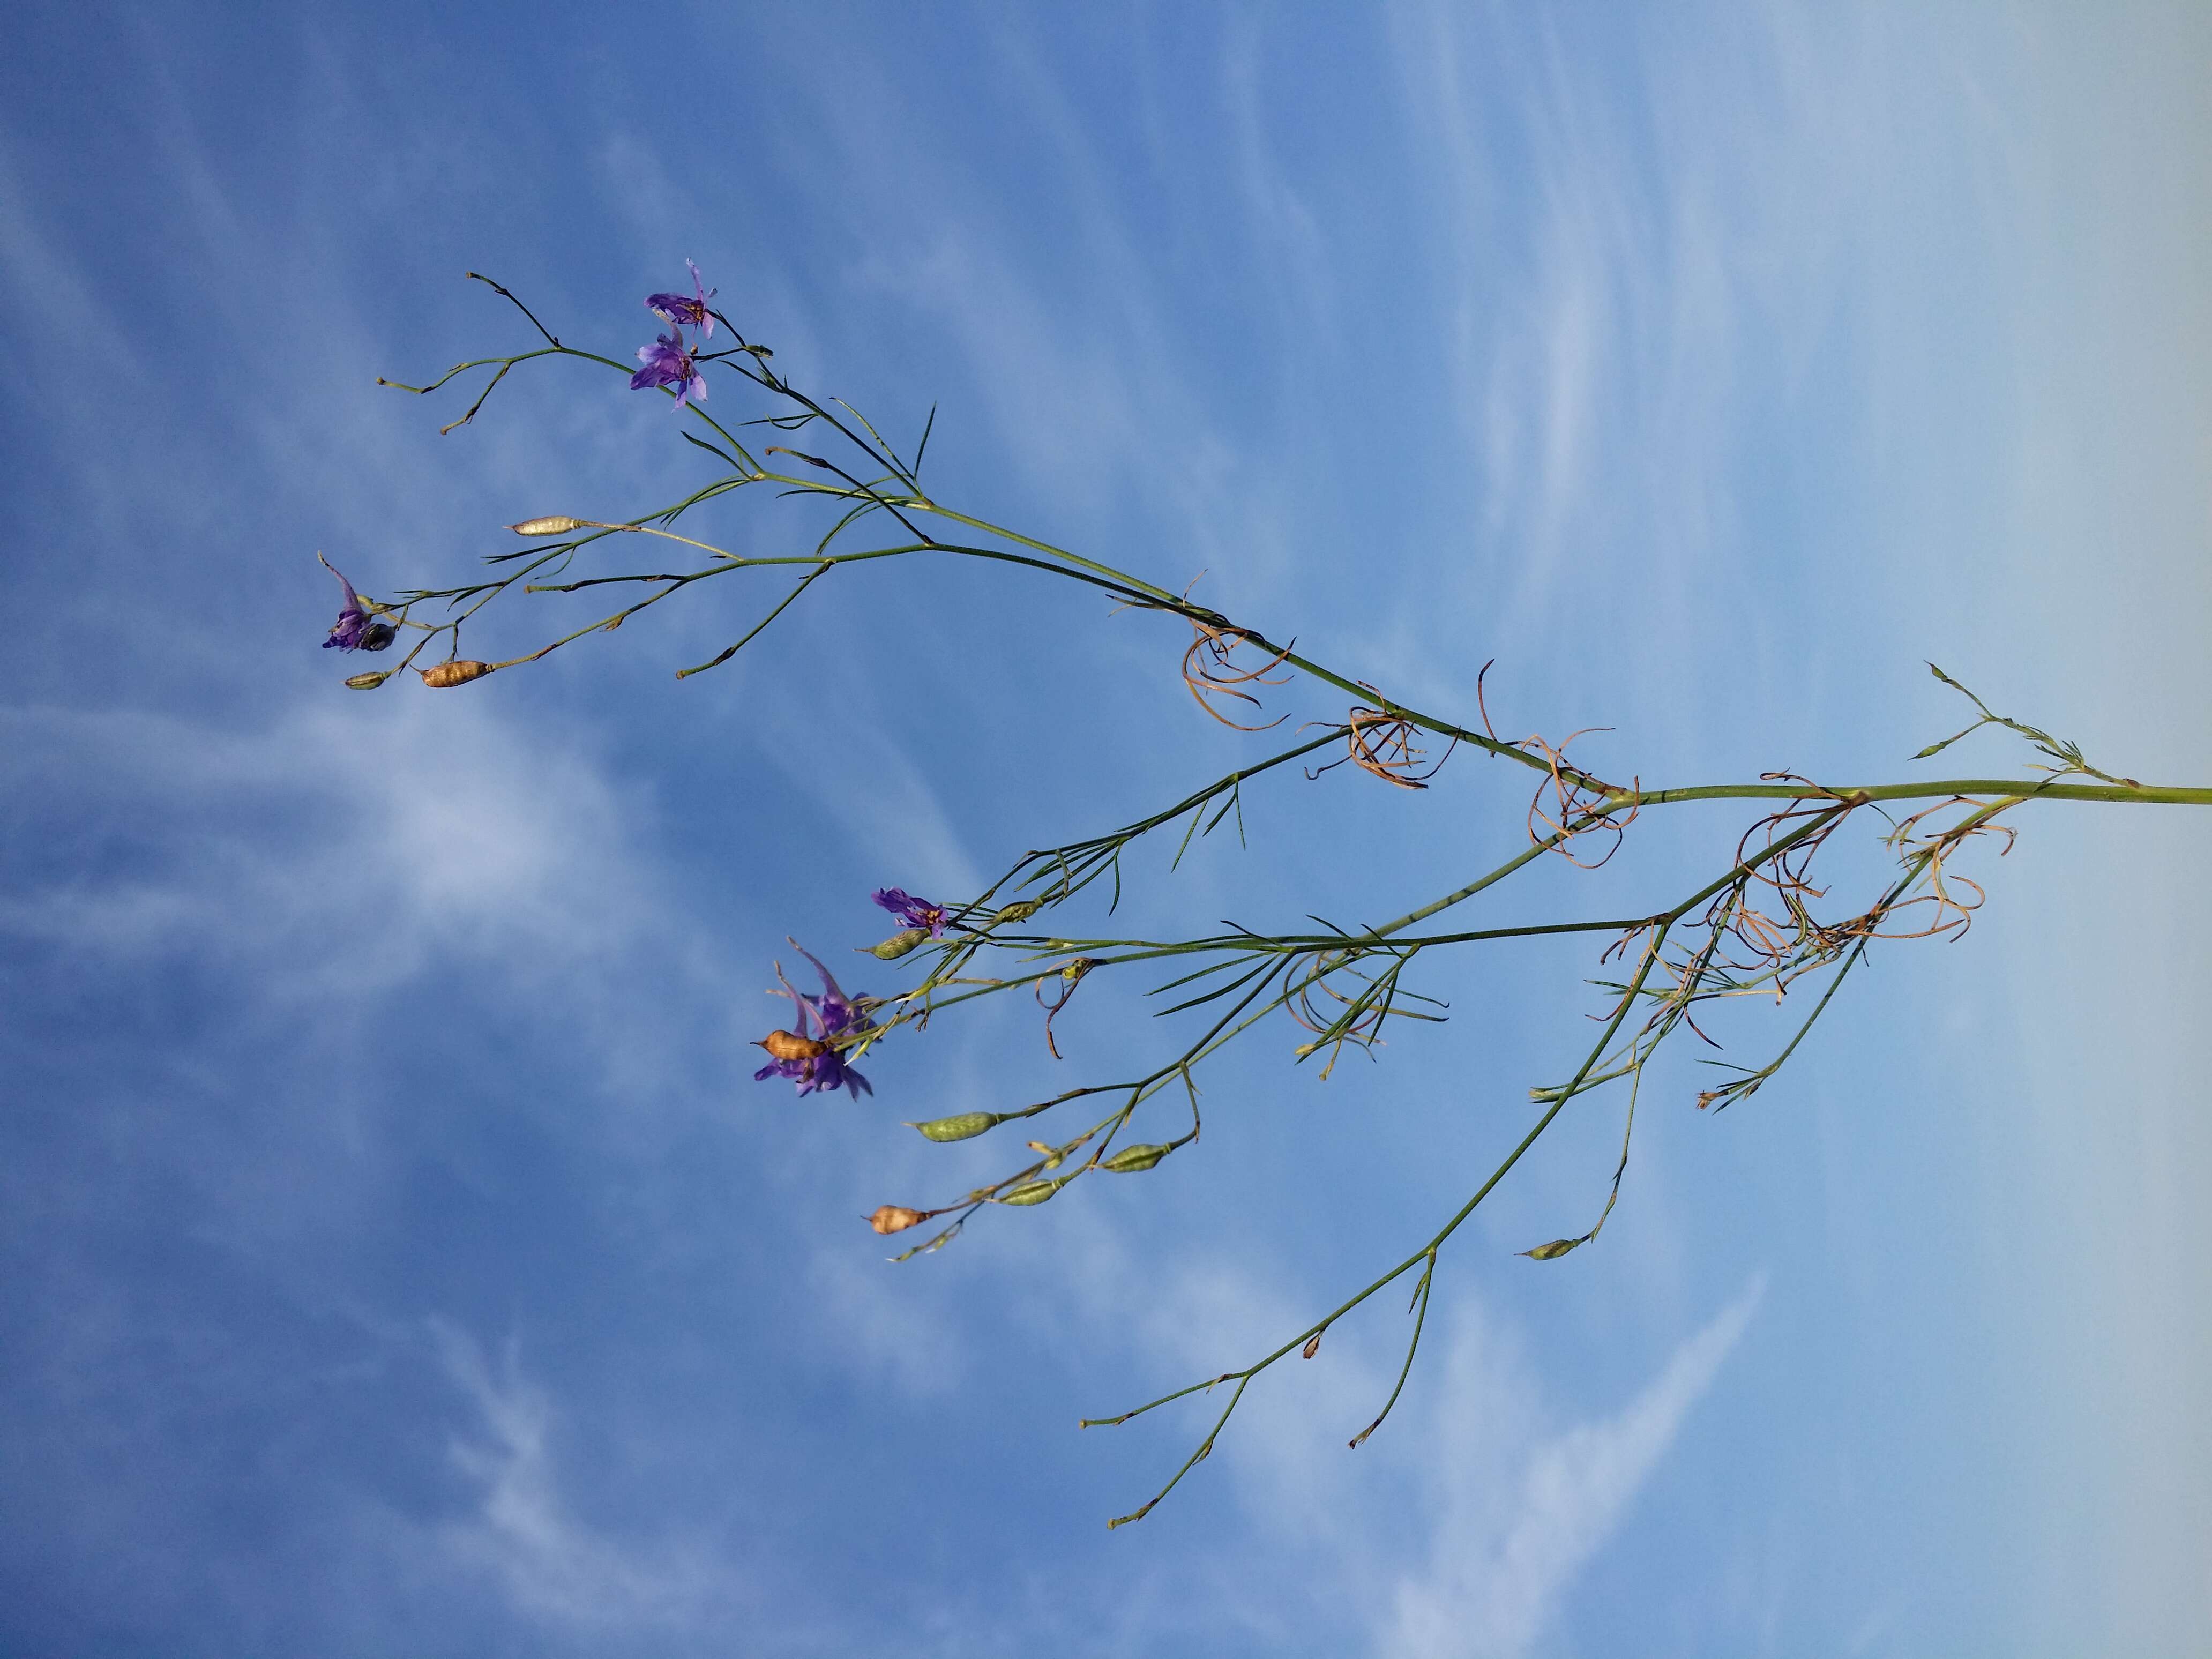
(1033,1192)
(962,1128)
(894,1219)
(1552,1251)
(1130,1159)
(1021,910)
(369,682)
(898,943)
(548,526)
(789,1045)
(453,673)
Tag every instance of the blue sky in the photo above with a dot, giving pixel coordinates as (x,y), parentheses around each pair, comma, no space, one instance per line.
(398,1256)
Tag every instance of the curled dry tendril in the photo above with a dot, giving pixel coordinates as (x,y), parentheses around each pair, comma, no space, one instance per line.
(1574,794)
(1210,670)
(1381,741)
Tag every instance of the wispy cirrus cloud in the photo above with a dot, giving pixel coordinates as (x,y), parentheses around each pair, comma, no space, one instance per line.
(1506,1549)
(525,1533)
(440,834)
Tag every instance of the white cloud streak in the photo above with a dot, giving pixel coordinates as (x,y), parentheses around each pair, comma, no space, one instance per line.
(552,1564)
(437,833)
(1499,1565)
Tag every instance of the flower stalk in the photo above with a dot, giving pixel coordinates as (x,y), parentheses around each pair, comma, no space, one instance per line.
(1759,928)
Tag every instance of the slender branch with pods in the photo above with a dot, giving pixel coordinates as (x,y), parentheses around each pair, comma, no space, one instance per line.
(1762,923)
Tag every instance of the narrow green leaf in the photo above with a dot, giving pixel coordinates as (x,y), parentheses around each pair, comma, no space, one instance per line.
(922,448)
(711,449)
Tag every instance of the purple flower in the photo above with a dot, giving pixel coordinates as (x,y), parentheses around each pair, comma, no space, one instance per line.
(682,308)
(667,363)
(821,1018)
(913,912)
(354,631)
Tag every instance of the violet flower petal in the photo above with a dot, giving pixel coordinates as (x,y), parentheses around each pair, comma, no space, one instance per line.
(913,912)
(690,308)
(353,621)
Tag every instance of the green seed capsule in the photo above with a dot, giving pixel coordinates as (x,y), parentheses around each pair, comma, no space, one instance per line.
(962,1128)
(370,682)
(898,943)
(1130,1159)
(547,526)
(1557,1247)
(1032,1192)
(1021,911)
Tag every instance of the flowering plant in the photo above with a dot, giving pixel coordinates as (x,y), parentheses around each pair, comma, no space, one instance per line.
(1759,925)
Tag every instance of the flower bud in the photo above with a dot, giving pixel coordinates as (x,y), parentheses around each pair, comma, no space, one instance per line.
(789,1045)
(965,1126)
(1130,1159)
(370,682)
(894,1219)
(453,673)
(898,943)
(1035,1191)
(548,526)
(1053,1158)
(1021,911)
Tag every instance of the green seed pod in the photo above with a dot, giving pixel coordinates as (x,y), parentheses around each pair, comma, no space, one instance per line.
(898,943)
(1130,1159)
(964,1126)
(1021,911)
(1556,1248)
(370,682)
(1034,1192)
(548,526)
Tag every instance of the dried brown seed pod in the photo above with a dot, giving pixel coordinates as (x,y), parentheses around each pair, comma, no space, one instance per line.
(453,673)
(894,1219)
(789,1045)
(548,526)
